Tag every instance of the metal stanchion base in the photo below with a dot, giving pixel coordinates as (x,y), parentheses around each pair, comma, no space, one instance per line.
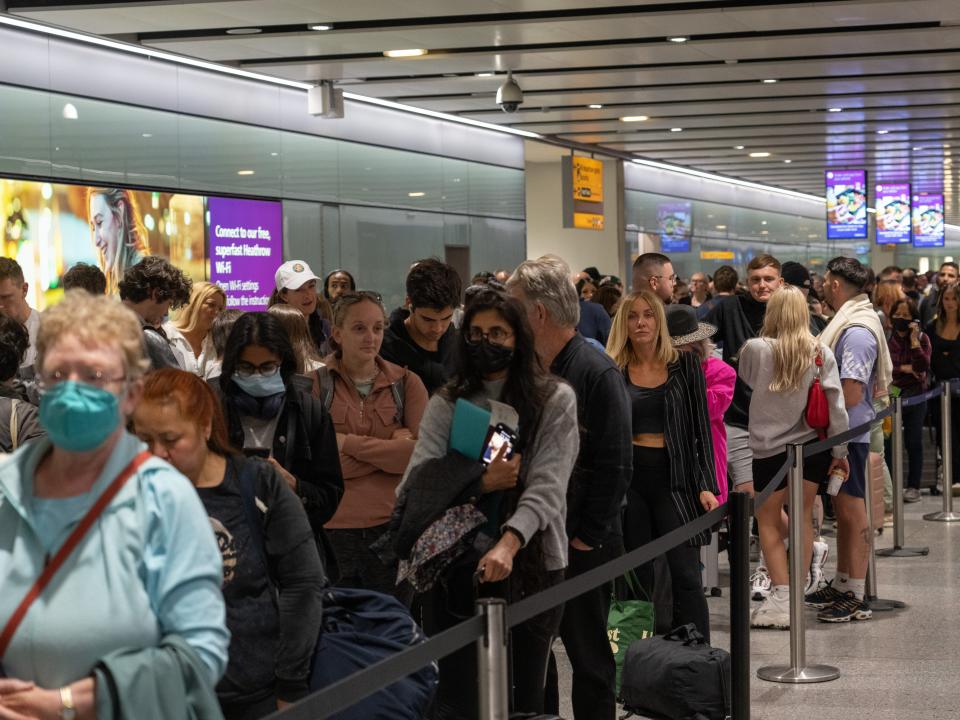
(884,605)
(943,516)
(903,552)
(797,676)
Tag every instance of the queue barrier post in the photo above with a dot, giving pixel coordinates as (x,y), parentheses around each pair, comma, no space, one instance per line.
(946,455)
(492,661)
(741,516)
(896,441)
(797,671)
(870,592)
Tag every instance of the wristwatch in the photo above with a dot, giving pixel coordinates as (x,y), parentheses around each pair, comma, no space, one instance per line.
(67,711)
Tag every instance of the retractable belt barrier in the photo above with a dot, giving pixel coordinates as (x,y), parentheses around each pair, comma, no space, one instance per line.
(346,692)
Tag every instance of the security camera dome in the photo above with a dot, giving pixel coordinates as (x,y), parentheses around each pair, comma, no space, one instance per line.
(509,96)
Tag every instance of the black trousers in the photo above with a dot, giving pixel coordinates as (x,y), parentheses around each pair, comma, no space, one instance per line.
(913,417)
(584,634)
(650,514)
(457,696)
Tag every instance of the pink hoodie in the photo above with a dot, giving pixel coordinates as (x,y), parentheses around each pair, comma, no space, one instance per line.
(720,381)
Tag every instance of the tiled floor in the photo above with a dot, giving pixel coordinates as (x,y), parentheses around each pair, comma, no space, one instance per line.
(901,665)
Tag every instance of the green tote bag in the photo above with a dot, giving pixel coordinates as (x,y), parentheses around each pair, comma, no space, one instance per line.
(628,620)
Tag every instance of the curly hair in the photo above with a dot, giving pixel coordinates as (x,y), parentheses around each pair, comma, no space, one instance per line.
(155,274)
(84,276)
(14,341)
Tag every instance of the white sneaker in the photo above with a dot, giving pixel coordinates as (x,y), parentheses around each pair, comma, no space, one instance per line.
(773,613)
(760,583)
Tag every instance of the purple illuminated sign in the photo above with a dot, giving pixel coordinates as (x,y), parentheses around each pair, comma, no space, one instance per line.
(246,248)
(928,220)
(893,213)
(846,204)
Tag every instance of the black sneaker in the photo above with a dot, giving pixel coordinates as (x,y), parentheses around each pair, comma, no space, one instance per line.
(845,609)
(822,598)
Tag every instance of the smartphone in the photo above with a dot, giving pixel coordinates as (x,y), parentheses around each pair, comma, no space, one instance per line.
(500,435)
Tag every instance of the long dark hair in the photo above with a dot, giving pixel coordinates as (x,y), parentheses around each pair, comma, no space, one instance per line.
(257,328)
(527,386)
(941,314)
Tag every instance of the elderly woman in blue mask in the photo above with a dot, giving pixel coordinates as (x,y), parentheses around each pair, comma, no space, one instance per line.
(111,572)
(271,413)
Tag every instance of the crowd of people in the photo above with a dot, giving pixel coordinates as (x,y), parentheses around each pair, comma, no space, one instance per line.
(233,464)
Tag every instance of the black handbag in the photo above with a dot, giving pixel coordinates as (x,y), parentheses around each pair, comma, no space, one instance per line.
(677,676)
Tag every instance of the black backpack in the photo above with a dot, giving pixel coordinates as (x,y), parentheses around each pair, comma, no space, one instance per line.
(677,676)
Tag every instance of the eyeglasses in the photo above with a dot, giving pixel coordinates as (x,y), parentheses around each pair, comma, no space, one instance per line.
(96,378)
(671,278)
(496,336)
(268,369)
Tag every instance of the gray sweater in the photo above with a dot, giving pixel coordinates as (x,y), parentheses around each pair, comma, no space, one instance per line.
(777,419)
(548,460)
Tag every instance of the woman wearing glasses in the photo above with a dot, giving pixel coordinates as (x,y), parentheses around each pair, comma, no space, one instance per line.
(523,498)
(271,417)
(144,579)
(674,480)
(376,408)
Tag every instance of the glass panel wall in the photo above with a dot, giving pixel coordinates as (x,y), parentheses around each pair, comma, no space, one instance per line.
(728,235)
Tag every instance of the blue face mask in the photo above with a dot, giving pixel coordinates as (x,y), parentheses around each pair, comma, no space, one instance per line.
(260,386)
(79,417)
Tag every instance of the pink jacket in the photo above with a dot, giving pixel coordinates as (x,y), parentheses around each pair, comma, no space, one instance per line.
(720,381)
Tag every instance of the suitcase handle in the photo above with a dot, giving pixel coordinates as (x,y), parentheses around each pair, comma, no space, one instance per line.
(688,634)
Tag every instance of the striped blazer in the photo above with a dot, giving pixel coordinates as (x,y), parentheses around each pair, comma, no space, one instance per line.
(689,443)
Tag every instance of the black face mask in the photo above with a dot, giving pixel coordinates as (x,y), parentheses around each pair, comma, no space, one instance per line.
(489,358)
(901,325)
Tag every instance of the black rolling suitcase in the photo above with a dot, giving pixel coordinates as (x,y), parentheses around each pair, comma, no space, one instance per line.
(677,676)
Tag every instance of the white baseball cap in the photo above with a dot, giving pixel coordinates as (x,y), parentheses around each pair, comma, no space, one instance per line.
(294,274)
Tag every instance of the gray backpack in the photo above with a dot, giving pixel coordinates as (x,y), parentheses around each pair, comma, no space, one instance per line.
(326,380)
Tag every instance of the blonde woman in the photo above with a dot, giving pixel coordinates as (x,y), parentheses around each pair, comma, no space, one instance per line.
(673,474)
(117,232)
(308,359)
(780,365)
(189,334)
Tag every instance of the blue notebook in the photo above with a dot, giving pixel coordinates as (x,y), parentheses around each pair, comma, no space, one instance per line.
(469,429)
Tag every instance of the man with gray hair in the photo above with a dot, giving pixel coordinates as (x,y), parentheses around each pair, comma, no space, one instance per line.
(599,481)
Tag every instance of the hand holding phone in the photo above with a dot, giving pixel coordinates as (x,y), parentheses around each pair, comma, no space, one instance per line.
(501,473)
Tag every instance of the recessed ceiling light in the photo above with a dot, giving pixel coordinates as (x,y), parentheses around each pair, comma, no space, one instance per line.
(321,27)
(70,112)
(634,118)
(676,129)
(788,161)
(146,135)
(834,109)
(274,154)
(738,147)
(410,52)
(678,38)
(595,106)
(769,81)
(246,172)
(759,154)
(882,132)
(763,222)
(721,227)
(244,31)
(416,194)
(484,74)
(918,148)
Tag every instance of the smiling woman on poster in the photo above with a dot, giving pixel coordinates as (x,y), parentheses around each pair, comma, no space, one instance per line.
(117,232)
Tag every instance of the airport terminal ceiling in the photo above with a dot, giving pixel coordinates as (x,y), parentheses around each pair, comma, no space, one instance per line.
(769,92)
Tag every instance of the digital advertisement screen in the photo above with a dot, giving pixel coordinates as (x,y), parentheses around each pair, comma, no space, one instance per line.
(49,227)
(846,204)
(893,214)
(675,226)
(246,248)
(928,228)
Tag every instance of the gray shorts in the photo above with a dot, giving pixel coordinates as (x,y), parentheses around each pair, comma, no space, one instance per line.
(739,456)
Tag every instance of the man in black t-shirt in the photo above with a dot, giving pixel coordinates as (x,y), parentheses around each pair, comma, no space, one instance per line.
(421,337)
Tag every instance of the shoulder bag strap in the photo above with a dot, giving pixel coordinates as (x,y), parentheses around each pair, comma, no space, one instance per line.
(14,426)
(68,547)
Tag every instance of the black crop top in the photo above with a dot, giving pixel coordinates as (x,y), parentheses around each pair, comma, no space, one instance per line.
(648,407)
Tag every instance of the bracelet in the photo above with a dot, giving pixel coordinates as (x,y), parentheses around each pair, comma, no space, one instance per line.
(67,710)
